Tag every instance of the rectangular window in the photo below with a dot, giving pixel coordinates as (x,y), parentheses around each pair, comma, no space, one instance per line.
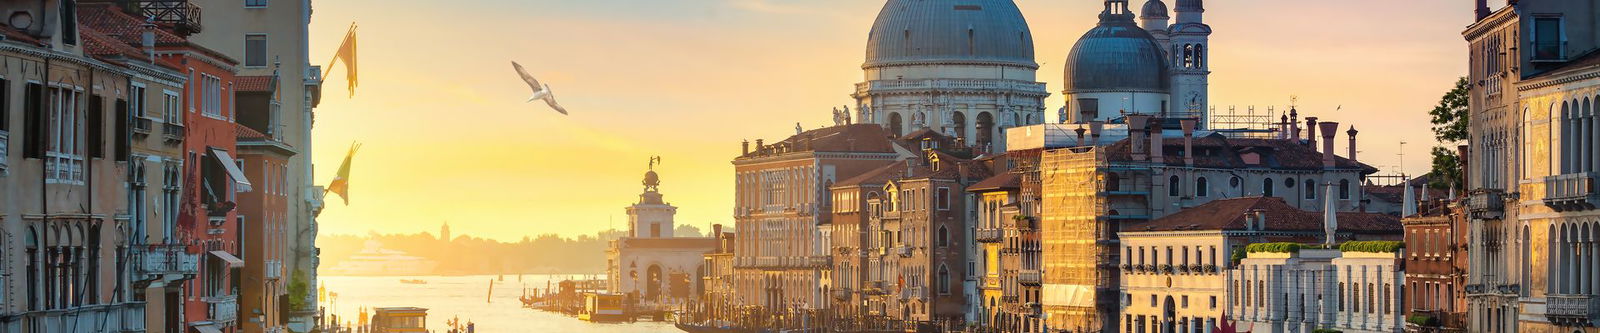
(136,100)
(123,140)
(173,108)
(255,50)
(69,22)
(943,198)
(95,127)
(211,96)
(255,3)
(1548,42)
(5,107)
(64,156)
(33,121)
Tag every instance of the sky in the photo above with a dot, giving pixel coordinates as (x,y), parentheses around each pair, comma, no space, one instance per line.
(447,137)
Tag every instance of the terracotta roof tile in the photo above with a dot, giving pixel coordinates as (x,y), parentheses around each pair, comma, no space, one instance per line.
(1230,214)
(254,83)
(100,45)
(859,138)
(111,21)
(1216,151)
(950,167)
(246,133)
(13,34)
(1002,181)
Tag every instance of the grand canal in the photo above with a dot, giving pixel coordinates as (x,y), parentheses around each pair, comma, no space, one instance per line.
(466,297)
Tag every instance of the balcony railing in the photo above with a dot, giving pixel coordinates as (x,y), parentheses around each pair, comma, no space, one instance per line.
(1029,277)
(903,251)
(841,294)
(1487,204)
(155,260)
(223,309)
(1549,51)
(987,235)
(181,14)
(1572,309)
(142,125)
(951,84)
(819,261)
(1570,192)
(172,132)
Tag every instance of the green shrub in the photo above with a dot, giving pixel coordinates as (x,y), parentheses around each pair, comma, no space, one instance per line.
(1372,246)
(1238,254)
(1326,330)
(1274,247)
(1422,320)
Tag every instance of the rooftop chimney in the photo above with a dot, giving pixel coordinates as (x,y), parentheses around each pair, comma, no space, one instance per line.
(1095,127)
(1188,141)
(759,146)
(1311,132)
(1329,131)
(1283,127)
(1294,124)
(1352,133)
(1482,9)
(1136,132)
(1080,131)
(746,147)
(1408,201)
(148,40)
(1158,150)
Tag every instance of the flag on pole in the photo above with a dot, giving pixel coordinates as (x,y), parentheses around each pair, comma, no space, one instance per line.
(347,52)
(341,181)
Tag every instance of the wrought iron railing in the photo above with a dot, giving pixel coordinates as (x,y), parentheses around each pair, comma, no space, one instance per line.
(172,132)
(180,14)
(1570,192)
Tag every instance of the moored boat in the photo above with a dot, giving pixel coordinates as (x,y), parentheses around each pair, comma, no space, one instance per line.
(600,307)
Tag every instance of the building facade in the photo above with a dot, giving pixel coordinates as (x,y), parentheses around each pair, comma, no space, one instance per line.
(1305,289)
(650,264)
(1436,269)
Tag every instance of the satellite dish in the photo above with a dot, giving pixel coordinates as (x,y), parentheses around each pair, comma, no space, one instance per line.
(21,20)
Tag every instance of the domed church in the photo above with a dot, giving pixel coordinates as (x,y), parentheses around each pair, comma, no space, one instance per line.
(964,68)
(1151,68)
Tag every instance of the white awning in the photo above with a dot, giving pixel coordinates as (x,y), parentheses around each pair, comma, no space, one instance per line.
(233,262)
(240,183)
(206,328)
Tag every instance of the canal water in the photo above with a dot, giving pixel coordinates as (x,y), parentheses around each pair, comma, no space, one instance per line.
(466,297)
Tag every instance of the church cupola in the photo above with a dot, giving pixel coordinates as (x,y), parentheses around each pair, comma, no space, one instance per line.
(651,217)
(1154,16)
(1116,11)
(1189,10)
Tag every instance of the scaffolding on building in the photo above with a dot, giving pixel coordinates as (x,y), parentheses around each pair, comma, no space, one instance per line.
(1248,123)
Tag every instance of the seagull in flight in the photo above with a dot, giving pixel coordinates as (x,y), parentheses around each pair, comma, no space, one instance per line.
(540,91)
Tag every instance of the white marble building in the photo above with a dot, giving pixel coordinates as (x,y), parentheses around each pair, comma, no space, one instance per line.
(1308,289)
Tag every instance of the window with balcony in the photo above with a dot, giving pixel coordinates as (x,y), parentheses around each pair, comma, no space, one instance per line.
(1549,41)
(255,50)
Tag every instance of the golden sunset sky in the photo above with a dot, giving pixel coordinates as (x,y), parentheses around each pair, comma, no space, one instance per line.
(448,138)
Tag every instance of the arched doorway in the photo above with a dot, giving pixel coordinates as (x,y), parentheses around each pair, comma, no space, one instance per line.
(652,288)
(959,121)
(1169,315)
(895,124)
(985,129)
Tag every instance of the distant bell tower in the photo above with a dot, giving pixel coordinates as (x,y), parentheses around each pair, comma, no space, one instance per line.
(444,232)
(1190,54)
(651,217)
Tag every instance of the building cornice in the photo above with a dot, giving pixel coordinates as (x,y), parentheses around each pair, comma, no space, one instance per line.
(1499,18)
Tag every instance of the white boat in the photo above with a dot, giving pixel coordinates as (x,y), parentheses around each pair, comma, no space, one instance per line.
(374,260)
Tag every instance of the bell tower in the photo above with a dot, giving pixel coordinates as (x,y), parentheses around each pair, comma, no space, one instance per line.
(651,217)
(1189,40)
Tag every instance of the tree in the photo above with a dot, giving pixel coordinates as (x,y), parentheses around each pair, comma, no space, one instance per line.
(685,230)
(1450,119)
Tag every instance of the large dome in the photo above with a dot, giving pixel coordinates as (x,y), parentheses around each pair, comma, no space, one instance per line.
(1116,56)
(950,31)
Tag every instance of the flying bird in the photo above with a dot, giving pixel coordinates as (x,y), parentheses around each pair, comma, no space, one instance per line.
(540,91)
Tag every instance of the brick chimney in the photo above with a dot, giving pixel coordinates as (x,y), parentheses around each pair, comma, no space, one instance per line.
(1352,133)
(1311,132)
(1080,131)
(1329,131)
(1188,141)
(1095,127)
(746,147)
(1136,132)
(1158,152)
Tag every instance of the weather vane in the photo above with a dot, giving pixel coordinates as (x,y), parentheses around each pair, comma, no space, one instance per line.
(653,161)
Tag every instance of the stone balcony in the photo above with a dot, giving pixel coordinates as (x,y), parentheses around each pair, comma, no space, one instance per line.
(950,85)
(223,309)
(903,251)
(172,132)
(819,261)
(1487,204)
(842,294)
(142,126)
(274,269)
(155,261)
(1571,192)
(988,235)
(1031,277)
(1573,310)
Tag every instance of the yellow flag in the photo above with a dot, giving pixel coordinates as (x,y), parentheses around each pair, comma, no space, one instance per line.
(347,52)
(341,181)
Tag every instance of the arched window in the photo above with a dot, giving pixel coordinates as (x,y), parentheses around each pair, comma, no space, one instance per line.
(985,129)
(895,124)
(1199,56)
(1113,182)
(944,280)
(944,237)
(1202,187)
(1188,55)
(1344,189)
(1174,187)
(31,249)
(1266,187)
(959,121)
(1310,189)
(1341,296)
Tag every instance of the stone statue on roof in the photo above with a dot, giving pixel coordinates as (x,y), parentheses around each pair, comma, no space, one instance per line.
(918,119)
(1061,115)
(846,114)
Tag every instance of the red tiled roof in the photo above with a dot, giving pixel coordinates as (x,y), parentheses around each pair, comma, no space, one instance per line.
(246,133)
(13,34)
(100,45)
(111,21)
(951,167)
(1230,214)
(859,138)
(254,83)
(1216,151)
(1002,181)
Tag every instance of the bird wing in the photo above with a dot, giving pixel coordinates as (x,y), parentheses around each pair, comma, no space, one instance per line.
(532,82)
(551,99)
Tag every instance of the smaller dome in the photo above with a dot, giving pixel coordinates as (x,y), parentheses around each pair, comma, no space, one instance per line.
(1191,5)
(1154,9)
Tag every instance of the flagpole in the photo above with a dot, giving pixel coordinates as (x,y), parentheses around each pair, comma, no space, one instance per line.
(336,51)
